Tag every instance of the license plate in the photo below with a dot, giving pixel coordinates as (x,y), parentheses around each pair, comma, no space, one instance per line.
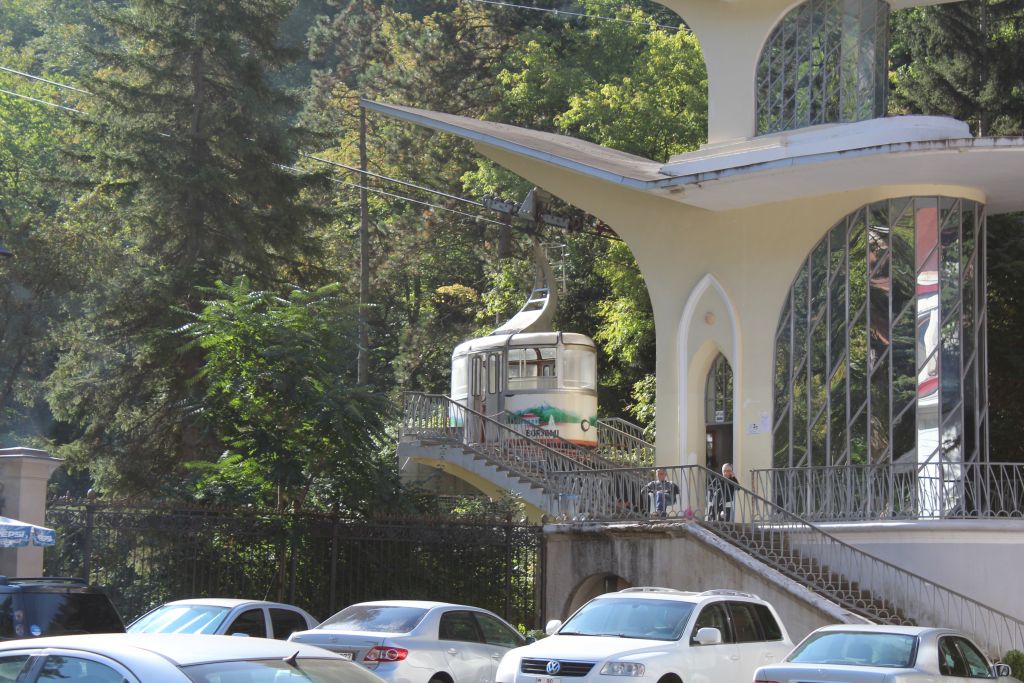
(545,679)
(346,655)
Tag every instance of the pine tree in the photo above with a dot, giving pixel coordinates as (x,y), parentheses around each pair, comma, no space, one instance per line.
(185,181)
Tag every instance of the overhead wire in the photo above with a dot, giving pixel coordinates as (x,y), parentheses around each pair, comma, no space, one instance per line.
(320,160)
(557,12)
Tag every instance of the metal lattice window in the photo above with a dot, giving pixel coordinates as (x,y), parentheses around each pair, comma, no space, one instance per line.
(879,353)
(718,392)
(825,62)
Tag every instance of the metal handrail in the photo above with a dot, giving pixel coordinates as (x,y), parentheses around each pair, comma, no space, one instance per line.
(436,417)
(856,580)
(897,491)
(621,442)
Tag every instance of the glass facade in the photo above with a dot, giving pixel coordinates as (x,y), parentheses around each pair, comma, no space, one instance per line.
(879,353)
(825,62)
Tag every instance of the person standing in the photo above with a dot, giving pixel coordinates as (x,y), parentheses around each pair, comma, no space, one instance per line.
(722,495)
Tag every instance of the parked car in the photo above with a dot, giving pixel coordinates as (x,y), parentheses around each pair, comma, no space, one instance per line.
(408,641)
(170,658)
(658,634)
(47,606)
(225,616)
(883,654)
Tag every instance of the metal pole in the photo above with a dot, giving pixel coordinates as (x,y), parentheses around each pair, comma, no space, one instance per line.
(362,360)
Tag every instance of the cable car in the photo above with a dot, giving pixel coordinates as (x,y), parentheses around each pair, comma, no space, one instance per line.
(547,379)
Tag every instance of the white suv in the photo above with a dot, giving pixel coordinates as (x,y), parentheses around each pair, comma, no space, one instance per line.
(659,635)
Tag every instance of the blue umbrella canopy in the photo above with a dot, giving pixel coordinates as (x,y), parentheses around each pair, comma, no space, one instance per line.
(16,534)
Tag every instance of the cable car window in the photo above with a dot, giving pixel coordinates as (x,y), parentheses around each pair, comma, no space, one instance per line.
(494,373)
(579,367)
(460,377)
(532,367)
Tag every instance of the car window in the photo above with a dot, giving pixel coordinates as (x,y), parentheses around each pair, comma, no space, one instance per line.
(497,633)
(376,618)
(769,624)
(951,662)
(277,670)
(857,648)
(58,668)
(284,622)
(11,666)
(181,619)
(712,616)
(744,622)
(249,623)
(977,665)
(59,613)
(459,626)
(630,618)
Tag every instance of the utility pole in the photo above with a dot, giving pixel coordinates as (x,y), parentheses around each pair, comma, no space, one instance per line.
(362,358)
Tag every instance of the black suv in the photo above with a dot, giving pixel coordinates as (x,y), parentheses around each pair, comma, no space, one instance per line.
(54,606)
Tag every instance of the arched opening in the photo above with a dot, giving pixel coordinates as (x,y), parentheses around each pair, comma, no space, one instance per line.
(718,414)
(591,587)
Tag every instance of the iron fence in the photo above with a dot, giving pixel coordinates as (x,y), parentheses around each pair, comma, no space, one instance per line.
(147,555)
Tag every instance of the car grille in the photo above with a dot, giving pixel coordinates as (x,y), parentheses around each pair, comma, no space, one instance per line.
(539,667)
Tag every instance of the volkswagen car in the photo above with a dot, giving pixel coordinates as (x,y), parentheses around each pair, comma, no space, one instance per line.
(659,635)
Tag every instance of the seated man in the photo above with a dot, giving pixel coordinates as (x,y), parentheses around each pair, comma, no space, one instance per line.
(663,490)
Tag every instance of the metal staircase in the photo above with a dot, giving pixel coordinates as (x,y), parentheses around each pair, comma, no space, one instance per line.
(546,472)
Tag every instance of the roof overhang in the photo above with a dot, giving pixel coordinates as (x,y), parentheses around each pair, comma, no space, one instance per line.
(783,167)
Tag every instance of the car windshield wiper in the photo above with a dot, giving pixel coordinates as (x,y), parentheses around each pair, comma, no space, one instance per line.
(574,633)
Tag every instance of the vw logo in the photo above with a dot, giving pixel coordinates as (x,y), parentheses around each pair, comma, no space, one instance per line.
(553,667)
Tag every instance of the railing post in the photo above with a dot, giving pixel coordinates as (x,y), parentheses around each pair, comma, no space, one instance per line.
(87,543)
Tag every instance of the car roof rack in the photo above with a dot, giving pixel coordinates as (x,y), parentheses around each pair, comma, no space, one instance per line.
(727,591)
(655,589)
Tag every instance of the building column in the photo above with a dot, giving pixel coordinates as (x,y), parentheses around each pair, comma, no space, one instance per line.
(24,474)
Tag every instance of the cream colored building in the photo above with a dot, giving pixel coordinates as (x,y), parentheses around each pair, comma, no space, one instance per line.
(834,257)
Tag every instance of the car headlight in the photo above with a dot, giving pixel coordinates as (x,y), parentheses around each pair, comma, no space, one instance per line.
(622,669)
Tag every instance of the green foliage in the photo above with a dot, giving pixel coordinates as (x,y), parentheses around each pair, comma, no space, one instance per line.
(1015,658)
(280,390)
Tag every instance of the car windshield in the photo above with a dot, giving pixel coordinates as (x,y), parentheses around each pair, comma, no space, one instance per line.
(630,618)
(378,618)
(181,619)
(53,614)
(857,648)
(280,671)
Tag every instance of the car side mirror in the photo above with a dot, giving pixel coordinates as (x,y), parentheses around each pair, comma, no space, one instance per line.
(708,635)
(1001,670)
(553,626)
(530,639)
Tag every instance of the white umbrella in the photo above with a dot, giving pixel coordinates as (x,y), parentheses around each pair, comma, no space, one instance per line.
(15,534)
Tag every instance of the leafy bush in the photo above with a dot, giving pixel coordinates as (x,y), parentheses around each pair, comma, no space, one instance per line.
(1015,658)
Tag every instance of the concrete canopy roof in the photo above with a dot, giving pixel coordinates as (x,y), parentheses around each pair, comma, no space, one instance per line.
(811,162)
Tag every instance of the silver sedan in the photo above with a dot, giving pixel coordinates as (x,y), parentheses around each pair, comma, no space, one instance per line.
(171,658)
(410,641)
(883,654)
(225,616)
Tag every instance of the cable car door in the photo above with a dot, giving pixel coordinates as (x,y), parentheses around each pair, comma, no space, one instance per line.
(486,373)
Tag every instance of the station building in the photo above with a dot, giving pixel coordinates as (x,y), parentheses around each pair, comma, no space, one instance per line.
(817,276)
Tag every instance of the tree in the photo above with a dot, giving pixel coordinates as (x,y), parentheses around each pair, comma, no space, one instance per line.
(280,392)
(185,181)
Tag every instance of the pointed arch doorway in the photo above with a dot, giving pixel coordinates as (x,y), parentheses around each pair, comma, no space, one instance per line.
(718,414)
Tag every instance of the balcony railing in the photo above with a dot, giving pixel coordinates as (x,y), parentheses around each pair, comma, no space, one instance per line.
(623,443)
(896,491)
(860,582)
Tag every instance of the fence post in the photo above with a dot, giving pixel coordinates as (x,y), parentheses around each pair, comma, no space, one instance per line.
(332,600)
(293,564)
(508,567)
(90,509)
